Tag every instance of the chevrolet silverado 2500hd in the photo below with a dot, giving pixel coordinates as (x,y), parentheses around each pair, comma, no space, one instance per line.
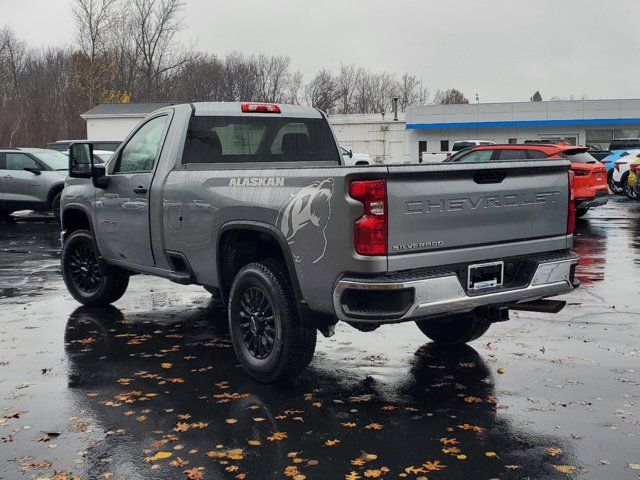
(254,203)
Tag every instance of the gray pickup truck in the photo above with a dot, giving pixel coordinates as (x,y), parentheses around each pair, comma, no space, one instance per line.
(254,203)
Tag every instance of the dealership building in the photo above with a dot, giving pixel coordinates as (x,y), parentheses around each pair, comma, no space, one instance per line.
(435,128)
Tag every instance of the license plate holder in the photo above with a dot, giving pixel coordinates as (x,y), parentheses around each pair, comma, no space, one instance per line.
(485,275)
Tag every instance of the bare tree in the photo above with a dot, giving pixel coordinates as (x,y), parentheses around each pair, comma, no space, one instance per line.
(154,25)
(272,75)
(411,92)
(451,96)
(322,91)
(95,22)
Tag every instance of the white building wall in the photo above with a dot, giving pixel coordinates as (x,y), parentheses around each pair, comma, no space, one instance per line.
(385,140)
(111,128)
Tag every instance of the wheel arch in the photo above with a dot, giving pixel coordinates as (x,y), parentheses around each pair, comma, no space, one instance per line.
(244,230)
(75,217)
(53,191)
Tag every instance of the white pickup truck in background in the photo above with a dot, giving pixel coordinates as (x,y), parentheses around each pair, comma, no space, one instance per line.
(435,157)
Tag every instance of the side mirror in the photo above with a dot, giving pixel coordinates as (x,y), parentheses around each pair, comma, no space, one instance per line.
(34,170)
(350,153)
(81,160)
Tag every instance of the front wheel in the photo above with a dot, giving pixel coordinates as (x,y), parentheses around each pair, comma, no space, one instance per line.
(87,279)
(55,206)
(613,186)
(270,341)
(455,329)
(629,191)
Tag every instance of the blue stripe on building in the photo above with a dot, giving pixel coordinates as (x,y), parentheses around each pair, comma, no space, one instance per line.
(524,123)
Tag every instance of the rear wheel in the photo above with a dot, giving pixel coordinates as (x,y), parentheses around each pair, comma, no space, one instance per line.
(269,339)
(613,186)
(581,212)
(455,329)
(87,279)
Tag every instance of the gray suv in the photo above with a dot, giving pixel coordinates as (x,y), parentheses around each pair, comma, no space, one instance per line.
(31,179)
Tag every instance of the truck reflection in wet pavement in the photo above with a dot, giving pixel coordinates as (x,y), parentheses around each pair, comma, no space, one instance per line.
(170,386)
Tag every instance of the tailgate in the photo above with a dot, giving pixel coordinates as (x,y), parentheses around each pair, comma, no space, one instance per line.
(450,213)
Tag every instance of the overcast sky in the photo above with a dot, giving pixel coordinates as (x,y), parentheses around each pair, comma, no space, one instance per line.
(504,50)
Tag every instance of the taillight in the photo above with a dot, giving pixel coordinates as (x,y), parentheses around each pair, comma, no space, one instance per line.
(571,214)
(370,232)
(616,165)
(580,173)
(260,108)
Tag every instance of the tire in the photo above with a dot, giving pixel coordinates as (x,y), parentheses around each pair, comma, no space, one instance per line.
(454,329)
(88,280)
(5,215)
(629,191)
(55,206)
(613,186)
(581,212)
(269,339)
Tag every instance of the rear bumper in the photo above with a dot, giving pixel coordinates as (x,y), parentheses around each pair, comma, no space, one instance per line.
(601,198)
(443,293)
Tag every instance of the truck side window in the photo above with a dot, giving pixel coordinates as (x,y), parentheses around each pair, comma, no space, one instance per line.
(141,152)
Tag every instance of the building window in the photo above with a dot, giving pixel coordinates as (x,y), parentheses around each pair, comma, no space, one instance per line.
(444,145)
(422,146)
(513,140)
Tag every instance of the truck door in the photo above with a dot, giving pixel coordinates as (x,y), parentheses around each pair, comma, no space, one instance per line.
(122,208)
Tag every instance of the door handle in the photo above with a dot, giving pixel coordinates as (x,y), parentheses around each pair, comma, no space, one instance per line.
(7,176)
(140,190)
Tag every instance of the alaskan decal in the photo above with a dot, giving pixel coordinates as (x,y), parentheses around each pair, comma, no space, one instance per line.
(257,182)
(303,220)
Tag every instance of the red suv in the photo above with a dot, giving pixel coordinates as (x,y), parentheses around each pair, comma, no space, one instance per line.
(590,187)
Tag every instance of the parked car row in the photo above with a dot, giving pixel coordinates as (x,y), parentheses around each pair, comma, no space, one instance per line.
(32,178)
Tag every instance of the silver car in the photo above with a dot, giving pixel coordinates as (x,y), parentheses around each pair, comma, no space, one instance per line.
(31,179)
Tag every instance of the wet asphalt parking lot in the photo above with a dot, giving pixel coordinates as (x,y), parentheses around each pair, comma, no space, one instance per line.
(150,389)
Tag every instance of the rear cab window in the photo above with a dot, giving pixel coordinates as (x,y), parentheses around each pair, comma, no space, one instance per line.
(259,139)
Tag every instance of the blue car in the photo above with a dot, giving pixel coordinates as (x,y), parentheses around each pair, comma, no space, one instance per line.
(609,162)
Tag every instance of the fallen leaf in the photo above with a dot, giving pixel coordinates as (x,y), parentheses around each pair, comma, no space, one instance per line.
(490,454)
(48,436)
(277,436)
(374,473)
(434,466)
(414,471)
(352,476)
(194,474)
(374,426)
(158,456)
(448,441)
(254,443)
(565,468)
(231,421)
(332,443)
(500,371)
(554,452)
(167,366)
(348,424)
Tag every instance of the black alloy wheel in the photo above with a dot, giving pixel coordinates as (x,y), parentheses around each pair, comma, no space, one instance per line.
(84,268)
(257,322)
